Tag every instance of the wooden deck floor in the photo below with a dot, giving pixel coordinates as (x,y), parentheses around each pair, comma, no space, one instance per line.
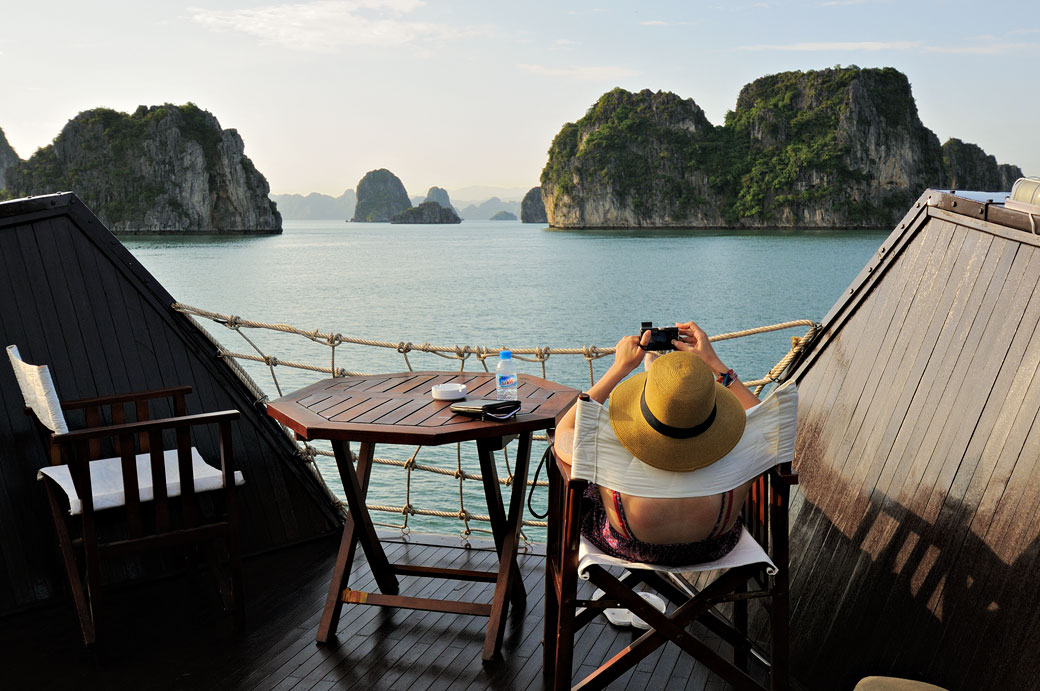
(172,634)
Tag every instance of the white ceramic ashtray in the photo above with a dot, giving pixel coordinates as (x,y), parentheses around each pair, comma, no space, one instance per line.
(448,392)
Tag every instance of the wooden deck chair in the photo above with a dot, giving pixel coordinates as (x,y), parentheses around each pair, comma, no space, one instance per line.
(81,482)
(760,558)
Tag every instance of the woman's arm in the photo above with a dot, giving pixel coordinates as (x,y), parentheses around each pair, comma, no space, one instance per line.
(693,339)
(627,356)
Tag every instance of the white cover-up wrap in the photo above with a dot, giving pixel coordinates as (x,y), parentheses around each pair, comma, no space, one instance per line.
(768,440)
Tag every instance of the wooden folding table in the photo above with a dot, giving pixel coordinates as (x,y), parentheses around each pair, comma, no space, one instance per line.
(399,409)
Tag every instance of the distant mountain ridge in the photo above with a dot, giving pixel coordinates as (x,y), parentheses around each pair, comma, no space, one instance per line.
(835,148)
(486,209)
(316,206)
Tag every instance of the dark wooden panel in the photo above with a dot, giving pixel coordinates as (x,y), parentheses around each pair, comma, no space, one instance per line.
(970,367)
(868,340)
(72,297)
(916,536)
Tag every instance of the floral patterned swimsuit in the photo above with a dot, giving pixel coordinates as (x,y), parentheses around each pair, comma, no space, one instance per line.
(596,527)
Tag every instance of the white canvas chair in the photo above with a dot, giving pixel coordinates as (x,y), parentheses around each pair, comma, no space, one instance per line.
(80,482)
(763,454)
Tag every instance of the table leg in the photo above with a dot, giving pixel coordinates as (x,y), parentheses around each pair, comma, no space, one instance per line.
(496,512)
(358,525)
(509,583)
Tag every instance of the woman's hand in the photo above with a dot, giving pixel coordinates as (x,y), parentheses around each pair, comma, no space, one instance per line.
(692,339)
(628,353)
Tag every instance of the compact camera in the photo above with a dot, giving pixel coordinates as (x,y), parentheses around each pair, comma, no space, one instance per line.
(661,337)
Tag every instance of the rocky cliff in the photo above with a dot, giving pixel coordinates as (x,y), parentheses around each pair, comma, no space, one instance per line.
(439,195)
(969,167)
(163,169)
(427,212)
(532,210)
(8,158)
(316,206)
(380,195)
(837,148)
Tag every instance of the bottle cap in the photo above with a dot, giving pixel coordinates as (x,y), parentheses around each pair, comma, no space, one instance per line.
(505,355)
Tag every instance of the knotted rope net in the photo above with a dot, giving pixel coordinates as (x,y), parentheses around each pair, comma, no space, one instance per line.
(462,354)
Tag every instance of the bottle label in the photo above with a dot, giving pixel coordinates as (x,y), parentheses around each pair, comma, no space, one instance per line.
(506,381)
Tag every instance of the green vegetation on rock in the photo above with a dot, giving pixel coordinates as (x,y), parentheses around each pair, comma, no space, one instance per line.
(840,147)
(427,212)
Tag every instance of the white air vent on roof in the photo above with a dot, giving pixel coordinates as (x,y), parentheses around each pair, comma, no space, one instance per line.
(1025,196)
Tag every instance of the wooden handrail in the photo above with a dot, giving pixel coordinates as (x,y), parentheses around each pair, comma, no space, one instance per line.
(144,426)
(125,397)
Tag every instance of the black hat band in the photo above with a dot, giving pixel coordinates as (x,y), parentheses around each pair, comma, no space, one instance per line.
(668,430)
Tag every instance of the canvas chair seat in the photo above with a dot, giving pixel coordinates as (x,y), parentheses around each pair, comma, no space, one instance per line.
(759,558)
(747,551)
(106,479)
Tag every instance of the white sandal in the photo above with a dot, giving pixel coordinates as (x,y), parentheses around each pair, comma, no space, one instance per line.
(620,616)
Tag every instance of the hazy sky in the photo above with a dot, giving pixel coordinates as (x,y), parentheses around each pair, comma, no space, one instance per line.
(471,92)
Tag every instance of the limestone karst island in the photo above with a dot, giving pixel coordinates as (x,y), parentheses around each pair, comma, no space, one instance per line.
(163,168)
(834,148)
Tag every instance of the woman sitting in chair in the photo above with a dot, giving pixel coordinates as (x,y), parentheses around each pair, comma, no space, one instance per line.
(675,416)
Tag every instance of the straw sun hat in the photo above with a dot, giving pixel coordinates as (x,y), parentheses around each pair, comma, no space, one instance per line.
(676,416)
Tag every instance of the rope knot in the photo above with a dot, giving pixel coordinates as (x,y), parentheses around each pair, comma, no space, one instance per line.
(403,347)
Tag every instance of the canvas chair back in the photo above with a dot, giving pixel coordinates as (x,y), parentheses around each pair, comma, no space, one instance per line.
(38,391)
(768,440)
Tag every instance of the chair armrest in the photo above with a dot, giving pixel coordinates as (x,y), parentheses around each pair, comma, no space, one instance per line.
(785,474)
(144,426)
(125,397)
(563,469)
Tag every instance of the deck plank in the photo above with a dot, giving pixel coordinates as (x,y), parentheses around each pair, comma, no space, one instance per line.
(191,644)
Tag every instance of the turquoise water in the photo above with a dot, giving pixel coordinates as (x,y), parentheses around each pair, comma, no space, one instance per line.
(495,284)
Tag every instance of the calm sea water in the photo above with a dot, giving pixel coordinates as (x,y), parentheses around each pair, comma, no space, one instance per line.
(500,284)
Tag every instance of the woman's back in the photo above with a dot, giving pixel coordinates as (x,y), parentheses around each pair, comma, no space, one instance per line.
(668,521)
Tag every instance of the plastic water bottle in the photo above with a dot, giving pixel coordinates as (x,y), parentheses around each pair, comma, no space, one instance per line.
(505,377)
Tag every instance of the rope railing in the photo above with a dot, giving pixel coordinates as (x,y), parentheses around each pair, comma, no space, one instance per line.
(461,353)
